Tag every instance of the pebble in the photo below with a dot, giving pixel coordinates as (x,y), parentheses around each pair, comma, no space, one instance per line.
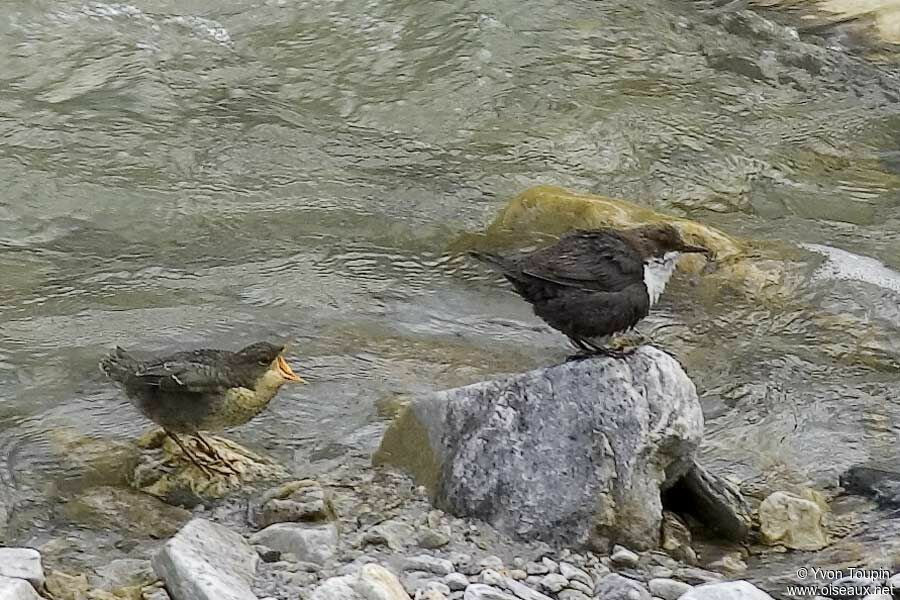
(310,543)
(438,587)
(479,591)
(624,557)
(492,577)
(518,574)
(616,587)
(552,565)
(456,581)
(534,568)
(431,539)
(572,595)
(424,562)
(491,562)
(580,586)
(430,595)
(668,589)
(554,582)
(571,572)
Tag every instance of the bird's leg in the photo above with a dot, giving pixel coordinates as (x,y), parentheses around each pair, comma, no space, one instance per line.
(590,349)
(188,453)
(213,453)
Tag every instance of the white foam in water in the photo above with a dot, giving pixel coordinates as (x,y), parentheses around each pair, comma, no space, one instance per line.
(853,267)
(199,25)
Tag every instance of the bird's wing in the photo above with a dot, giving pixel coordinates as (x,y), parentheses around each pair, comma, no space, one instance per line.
(183,375)
(598,260)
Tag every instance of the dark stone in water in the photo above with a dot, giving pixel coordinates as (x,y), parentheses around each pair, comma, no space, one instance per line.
(880,485)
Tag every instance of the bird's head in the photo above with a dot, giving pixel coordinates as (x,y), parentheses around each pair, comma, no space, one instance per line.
(660,239)
(267,358)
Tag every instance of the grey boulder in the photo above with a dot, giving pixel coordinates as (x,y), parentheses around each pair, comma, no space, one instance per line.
(371,582)
(205,561)
(577,452)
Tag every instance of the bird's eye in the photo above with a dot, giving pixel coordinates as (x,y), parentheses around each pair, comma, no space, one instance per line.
(263,363)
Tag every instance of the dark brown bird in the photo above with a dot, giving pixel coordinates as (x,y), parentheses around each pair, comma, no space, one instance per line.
(595,283)
(201,390)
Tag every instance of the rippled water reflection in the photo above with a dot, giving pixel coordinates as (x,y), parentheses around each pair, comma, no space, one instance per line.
(210,173)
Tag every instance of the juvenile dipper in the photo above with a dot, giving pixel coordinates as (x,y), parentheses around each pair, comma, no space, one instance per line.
(187,392)
(595,283)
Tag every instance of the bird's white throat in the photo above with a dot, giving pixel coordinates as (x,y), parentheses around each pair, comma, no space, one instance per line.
(657,272)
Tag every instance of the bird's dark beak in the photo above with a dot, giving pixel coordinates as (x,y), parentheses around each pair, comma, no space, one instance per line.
(697,249)
(286,371)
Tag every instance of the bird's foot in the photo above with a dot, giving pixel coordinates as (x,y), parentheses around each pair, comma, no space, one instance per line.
(215,455)
(617,353)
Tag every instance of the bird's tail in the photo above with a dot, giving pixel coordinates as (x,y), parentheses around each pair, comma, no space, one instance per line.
(494,260)
(118,364)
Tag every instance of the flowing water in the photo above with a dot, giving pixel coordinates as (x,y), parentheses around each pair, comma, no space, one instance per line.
(213,172)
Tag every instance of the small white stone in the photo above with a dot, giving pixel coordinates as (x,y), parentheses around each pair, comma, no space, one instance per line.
(492,577)
(431,564)
(16,589)
(552,565)
(518,574)
(668,589)
(624,557)
(573,573)
(22,563)
(456,581)
(491,562)
(479,591)
(534,568)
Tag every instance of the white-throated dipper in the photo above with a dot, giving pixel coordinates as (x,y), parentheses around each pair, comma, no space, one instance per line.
(595,283)
(201,390)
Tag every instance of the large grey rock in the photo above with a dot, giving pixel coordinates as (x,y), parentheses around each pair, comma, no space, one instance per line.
(371,582)
(22,563)
(564,454)
(205,561)
(16,589)
(730,590)
(309,543)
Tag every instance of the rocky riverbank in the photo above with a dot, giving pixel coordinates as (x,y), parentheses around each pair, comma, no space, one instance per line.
(343,539)
(572,482)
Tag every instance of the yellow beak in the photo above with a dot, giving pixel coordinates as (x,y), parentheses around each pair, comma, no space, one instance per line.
(286,371)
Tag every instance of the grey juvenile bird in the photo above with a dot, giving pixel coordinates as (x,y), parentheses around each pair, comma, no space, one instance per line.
(201,390)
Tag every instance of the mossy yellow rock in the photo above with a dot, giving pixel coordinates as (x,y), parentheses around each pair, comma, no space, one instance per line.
(551,211)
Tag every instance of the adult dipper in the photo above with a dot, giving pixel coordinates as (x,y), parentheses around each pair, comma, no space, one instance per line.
(595,283)
(201,390)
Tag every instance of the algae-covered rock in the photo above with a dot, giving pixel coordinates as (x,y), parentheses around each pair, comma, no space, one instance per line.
(107,507)
(165,472)
(298,501)
(575,453)
(792,521)
(552,211)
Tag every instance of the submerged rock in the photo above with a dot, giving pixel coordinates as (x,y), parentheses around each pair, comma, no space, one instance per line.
(205,561)
(554,210)
(164,472)
(109,507)
(371,582)
(792,521)
(576,453)
(16,589)
(880,485)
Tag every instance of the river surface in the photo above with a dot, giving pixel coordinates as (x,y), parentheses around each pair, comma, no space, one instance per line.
(209,173)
